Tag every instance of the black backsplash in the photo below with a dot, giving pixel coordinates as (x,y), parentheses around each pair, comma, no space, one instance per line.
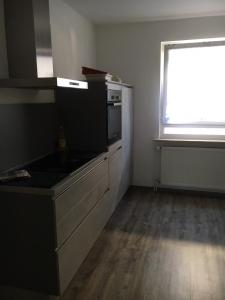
(27,131)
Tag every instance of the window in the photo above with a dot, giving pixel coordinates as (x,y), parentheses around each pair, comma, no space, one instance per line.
(193,90)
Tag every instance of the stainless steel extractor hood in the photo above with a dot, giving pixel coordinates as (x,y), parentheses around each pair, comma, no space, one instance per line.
(29,47)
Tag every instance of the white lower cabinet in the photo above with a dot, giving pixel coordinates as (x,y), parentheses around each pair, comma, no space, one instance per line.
(86,209)
(74,204)
(72,254)
(115,173)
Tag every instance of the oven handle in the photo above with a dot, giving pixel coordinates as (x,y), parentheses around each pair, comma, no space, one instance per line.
(115,104)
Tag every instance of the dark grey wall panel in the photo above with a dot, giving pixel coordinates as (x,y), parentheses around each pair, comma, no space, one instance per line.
(27,131)
(83,115)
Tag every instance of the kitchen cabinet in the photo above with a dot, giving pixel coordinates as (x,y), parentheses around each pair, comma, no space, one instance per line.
(115,172)
(72,254)
(81,213)
(46,233)
(127,139)
(73,205)
(120,153)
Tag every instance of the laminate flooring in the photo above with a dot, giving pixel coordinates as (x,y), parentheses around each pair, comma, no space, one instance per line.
(157,246)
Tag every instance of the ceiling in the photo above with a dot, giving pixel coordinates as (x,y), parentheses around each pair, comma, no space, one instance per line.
(116,11)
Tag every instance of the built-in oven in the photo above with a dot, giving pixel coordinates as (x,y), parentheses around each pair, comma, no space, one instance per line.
(114,104)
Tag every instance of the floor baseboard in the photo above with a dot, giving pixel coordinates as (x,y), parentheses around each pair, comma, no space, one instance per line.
(178,190)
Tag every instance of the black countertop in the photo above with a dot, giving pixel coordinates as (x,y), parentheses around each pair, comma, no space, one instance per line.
(51,169)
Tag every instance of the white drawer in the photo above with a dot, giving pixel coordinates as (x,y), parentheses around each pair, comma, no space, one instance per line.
(74,251)
(115,174)
(79,190)
(75,216)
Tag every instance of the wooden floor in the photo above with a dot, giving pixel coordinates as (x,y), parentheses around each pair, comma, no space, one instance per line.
(157,246)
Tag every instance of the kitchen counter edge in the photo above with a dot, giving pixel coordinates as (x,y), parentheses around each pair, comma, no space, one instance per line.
(62,185)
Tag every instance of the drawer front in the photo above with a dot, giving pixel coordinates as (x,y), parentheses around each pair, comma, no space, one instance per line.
(65,202)
(115,174)
(75,216)
(74,251)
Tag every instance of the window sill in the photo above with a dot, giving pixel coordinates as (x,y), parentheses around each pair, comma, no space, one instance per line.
(190,143)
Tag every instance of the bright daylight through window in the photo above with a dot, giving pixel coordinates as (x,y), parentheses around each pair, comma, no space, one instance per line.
(193,90)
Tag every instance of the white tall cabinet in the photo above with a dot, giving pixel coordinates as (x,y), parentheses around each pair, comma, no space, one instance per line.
(127,139)
(121,153)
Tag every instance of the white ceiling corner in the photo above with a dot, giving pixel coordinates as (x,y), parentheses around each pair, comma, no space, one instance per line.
(117,11)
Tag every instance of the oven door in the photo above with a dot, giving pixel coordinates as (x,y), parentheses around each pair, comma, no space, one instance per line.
(114,122)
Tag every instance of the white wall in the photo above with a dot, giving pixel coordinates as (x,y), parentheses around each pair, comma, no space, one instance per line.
(73,41)
(133,52)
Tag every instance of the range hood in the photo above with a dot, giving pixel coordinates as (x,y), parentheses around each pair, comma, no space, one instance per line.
(29,47)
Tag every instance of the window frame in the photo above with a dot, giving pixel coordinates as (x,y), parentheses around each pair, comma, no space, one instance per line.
(165,48)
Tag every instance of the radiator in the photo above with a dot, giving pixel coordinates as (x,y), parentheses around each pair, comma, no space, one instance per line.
(194,168)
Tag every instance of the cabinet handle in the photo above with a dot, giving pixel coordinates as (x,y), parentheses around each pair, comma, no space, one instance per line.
(118,104)
(73,83)
(115,104)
